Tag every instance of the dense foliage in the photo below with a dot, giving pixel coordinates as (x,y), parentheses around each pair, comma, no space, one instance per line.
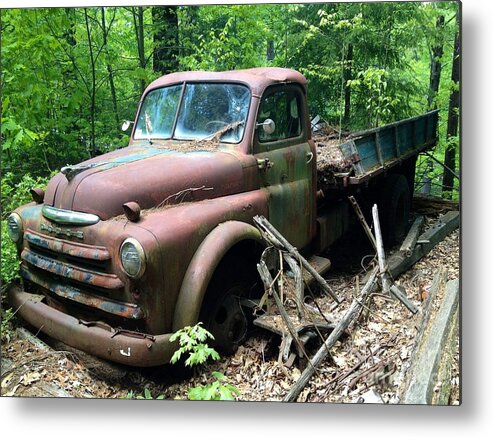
(70,76)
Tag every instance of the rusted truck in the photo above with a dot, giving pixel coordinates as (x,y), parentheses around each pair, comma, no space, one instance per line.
(123,250)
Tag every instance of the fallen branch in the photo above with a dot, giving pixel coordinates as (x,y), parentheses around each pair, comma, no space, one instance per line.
(323,351)
(409,242)
(268,231)
(339,378)
(431,237)
(386,281)
(426,204)
(363,221)
(268,285)
(369,371)
(183,193)
(396,292)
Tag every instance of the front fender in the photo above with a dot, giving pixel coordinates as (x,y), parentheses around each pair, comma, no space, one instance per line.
(203,265)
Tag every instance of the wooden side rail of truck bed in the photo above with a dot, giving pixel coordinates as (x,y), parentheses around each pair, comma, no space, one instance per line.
(376,150)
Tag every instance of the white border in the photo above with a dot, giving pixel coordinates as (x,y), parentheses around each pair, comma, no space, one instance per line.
(474,417)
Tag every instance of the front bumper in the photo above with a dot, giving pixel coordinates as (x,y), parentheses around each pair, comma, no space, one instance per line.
(121,346)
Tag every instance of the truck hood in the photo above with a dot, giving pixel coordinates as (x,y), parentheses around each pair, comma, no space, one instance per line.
(150,176)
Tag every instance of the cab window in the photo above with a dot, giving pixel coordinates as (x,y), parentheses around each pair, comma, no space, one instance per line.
(283,106)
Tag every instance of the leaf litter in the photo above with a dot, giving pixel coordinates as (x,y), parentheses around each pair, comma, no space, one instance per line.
(374,356)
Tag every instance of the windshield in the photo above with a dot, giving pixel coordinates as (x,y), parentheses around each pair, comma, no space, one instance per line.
(205,110)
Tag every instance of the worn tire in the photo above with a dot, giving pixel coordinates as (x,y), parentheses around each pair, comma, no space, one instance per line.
(226,320)
(394,209)
(221,312)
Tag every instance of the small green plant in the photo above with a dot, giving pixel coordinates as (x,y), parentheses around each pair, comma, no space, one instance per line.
(147,395)
(6,326)
(10,260)
(219,390)
(192,342)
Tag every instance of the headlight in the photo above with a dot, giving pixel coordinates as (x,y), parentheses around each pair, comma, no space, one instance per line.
(133,258)
(14,227)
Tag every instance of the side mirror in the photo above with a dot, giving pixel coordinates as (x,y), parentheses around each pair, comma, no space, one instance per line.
(268,125)
(126,124)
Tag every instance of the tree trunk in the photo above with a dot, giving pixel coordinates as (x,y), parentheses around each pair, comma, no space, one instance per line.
(436,65)
(109,68)
(166,50)
(138,16)
(347,89)
(452,124)
(93,150)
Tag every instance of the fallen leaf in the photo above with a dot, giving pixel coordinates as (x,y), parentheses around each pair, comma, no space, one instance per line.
(6,380)
(29,378)
(12,392)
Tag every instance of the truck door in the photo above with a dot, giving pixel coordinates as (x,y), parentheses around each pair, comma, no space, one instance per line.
(286,162)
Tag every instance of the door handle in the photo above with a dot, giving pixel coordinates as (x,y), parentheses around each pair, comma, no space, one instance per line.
(264,164)
(309,157)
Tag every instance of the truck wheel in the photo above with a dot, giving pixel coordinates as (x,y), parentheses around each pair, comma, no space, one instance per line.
(395,204)
(225,319)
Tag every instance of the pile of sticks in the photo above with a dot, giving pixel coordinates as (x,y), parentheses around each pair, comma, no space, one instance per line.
(378,278)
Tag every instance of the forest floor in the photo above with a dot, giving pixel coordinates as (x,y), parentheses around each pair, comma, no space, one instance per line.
(373,357)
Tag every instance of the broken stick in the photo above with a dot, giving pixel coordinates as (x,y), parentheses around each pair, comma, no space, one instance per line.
(269,288)
(409,243)
(362,219)
(380,251)
(267,231)
(322,353)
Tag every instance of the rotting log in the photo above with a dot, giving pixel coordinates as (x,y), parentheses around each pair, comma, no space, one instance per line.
(398,263)
(431,237)
(334,336)
(267,230)
(409,243)
(426,204)
(429,352)
(439,281)
(24,334)
(36,388)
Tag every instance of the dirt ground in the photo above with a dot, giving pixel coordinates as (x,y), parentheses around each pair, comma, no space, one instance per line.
(373,356)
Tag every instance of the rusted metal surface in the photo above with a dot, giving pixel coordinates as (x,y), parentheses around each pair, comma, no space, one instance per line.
(104,280)
(107,305)
(192,223)
(38,194)
(149,180)
(97,253)
(97,339)
(290,187)
(132,211)
(203,265)
(61,231)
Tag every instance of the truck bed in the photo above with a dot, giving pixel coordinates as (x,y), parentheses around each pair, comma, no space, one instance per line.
(360,156)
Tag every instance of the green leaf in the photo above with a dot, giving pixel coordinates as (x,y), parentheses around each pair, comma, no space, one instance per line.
(18,138)
(7,144)
(219,376)
(226,394)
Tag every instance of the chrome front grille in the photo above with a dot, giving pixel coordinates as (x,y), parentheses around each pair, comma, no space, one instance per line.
(78,273)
